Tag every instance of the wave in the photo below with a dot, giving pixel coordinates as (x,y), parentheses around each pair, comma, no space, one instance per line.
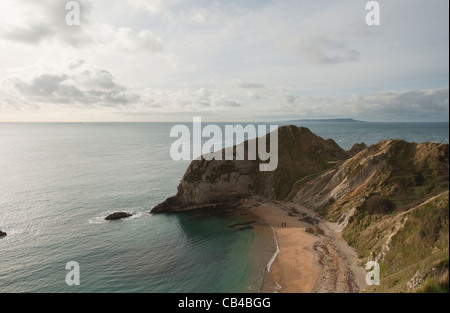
(269,265)
(22,233)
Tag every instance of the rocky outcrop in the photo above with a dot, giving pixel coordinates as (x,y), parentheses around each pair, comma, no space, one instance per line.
(118,216)
(223,183)
(2,234)
(355,149)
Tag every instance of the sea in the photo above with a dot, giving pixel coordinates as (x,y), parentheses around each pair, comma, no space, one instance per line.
(58,182)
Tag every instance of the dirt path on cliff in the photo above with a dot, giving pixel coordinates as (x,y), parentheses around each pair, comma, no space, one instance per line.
(313,257)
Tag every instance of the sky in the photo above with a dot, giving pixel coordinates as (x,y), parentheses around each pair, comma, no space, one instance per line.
(223,60)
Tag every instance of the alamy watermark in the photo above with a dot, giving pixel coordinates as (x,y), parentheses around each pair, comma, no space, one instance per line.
(73,15)
(373,17)
(182,149)
(73,276)
(373,276)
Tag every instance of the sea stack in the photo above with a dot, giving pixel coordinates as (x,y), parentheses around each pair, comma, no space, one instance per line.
(118,216)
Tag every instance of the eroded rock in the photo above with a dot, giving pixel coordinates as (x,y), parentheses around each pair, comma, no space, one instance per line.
(118,216)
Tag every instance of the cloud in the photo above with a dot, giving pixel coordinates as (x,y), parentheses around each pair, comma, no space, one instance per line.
(321,50)
(82,85)
(79,83)
(203,16)
(32,34)
(255,96)
(199,16)
(393,105)
(35,23)
(44,85)
(202,100)
(128,41)
(76,63)
(153,7)
(407,102)
(250,85)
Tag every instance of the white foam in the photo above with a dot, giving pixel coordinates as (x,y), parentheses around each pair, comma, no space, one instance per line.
(136,215)
(269,265)
(97,220)
(277,287)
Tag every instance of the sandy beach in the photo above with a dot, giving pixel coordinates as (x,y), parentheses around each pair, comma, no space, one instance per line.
(309,253)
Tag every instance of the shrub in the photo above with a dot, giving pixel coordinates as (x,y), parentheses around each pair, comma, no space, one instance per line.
(376,204)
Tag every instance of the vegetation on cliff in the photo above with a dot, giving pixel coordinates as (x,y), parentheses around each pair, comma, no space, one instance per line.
(391,201)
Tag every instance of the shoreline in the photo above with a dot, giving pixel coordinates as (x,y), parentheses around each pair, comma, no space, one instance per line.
(307,255)
(293,267)
(277,251)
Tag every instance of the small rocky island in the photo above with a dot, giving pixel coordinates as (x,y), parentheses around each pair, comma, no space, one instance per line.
(2,234)
(118,216)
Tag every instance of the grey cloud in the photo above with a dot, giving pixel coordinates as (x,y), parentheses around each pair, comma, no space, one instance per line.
(289,99)
(255,96)
(203,100)
(129,41)
(149,42)
(32,34)
(250,85)
(82,84)
(321,50)
(415,102)
(45,20)
(43,85)
(68,92)
(394,105)
(76,64)
(47,23)
(104,79)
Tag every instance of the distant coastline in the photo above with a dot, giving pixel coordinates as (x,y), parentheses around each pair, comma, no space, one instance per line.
(332,120)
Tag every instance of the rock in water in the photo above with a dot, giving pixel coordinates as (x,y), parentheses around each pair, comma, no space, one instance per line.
(2,234)
(118,216)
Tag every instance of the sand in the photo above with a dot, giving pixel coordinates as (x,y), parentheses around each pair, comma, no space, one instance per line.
(295,268)
(311,254)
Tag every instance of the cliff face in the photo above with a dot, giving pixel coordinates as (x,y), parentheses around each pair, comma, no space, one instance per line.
(213,183)
(404,173)
(390,199)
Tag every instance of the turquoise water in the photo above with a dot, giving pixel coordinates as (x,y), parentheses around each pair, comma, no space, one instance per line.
(59,181)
